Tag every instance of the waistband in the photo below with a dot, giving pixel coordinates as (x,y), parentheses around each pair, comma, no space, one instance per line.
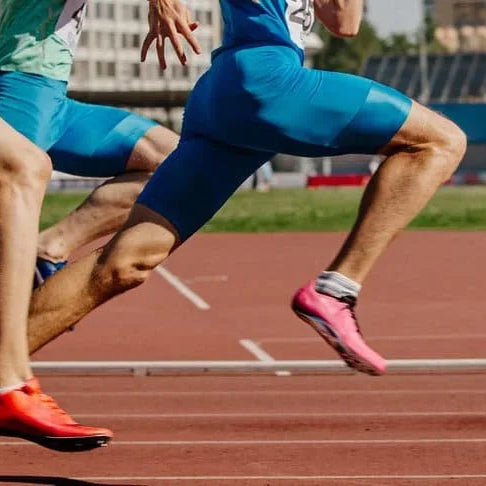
(30,80)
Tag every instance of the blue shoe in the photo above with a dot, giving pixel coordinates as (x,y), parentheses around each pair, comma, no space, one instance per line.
(45,269)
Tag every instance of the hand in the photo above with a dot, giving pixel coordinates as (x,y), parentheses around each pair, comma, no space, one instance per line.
(169,18)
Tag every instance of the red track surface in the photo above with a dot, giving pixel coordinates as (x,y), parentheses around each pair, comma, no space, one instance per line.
(425,299)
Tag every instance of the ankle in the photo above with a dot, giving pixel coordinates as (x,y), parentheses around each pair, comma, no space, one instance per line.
(10,388)
(337,285)
(54,252)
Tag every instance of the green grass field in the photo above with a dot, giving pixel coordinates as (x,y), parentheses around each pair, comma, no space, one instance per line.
(459,208)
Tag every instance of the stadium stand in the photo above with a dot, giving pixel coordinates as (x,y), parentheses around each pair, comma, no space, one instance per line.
(453,78)
(456,88)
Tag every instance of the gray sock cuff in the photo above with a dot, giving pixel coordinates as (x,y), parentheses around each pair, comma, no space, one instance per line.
(337,285)
(8,389)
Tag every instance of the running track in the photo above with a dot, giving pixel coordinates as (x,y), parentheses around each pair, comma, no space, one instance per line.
(424,300)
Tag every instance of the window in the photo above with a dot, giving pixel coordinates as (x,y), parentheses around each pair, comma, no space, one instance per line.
(131,12)
(105,69)
(83,40)
(136,70)
(80,71)
(105,40)
(131,40)
(469,13)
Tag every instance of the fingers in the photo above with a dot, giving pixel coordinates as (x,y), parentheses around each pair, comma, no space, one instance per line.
(187,16)
(174,24)
(193,25)
(186,31)
(149,38)
(177,45)
(161,52)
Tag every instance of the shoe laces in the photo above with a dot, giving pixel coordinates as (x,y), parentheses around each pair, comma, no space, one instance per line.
(350,303)
(49,402)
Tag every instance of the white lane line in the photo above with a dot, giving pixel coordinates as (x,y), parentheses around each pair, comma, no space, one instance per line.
(182,288)
(185,393)
(433,477)
(238,443)
(207,279)
(256,350)
(260,354)
(267,415)
(290,340)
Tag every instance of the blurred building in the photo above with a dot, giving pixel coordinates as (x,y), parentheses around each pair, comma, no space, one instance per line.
(108,55)
(460,24)
(428,6)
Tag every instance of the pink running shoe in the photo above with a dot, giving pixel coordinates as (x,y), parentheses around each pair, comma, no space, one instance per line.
(335,321)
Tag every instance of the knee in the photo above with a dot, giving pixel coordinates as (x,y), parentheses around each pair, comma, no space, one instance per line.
(129,260)
(29,170)
(152,149)
(450,144)
(433,144)
(436,149)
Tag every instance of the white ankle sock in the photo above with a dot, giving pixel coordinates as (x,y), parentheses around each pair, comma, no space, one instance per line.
(8,389)
(337,285)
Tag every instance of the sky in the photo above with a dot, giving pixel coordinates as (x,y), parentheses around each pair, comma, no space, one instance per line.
(395,16)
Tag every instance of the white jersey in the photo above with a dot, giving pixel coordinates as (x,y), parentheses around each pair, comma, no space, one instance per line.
(267,22)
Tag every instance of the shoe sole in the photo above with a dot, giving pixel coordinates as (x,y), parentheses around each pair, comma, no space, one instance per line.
(62,444)
(332,338)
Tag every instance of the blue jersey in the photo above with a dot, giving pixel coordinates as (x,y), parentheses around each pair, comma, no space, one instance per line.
(271,22)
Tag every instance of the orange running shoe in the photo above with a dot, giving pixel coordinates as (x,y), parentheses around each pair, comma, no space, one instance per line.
(29,414)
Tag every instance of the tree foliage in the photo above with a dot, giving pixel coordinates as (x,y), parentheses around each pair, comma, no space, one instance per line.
(347,54)
(350,54)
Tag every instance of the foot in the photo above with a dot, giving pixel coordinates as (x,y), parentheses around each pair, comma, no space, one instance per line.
(335,321)
(29,414)
(45,269)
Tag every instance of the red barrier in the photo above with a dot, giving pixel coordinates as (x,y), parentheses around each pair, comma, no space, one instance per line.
(353,180)
(337,180)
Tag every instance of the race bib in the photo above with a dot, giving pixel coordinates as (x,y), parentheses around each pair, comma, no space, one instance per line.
(300,19)
(70,23)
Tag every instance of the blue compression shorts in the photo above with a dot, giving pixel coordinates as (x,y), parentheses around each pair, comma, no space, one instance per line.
(81,139)
(255,102)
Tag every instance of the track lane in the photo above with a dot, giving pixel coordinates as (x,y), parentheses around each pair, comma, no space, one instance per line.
(405,298)
(244,460)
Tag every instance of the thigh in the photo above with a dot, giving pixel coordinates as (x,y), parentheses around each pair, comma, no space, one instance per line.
(98,140)
(270,102)
(34,106)
(152,149)
(326,113)
(196,180)
(15,146)
(422,126)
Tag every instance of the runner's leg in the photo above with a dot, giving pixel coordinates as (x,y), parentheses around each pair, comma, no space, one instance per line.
(117,143)
(24,173)
(184,193)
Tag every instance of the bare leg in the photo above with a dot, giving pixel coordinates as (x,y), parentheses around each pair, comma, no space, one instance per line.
(145,241)
(24,174)
(421,157)
(108,206)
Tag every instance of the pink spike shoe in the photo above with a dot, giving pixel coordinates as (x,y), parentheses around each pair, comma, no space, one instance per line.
(334,319)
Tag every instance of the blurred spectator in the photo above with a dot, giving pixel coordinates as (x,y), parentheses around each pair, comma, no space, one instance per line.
(262,178)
